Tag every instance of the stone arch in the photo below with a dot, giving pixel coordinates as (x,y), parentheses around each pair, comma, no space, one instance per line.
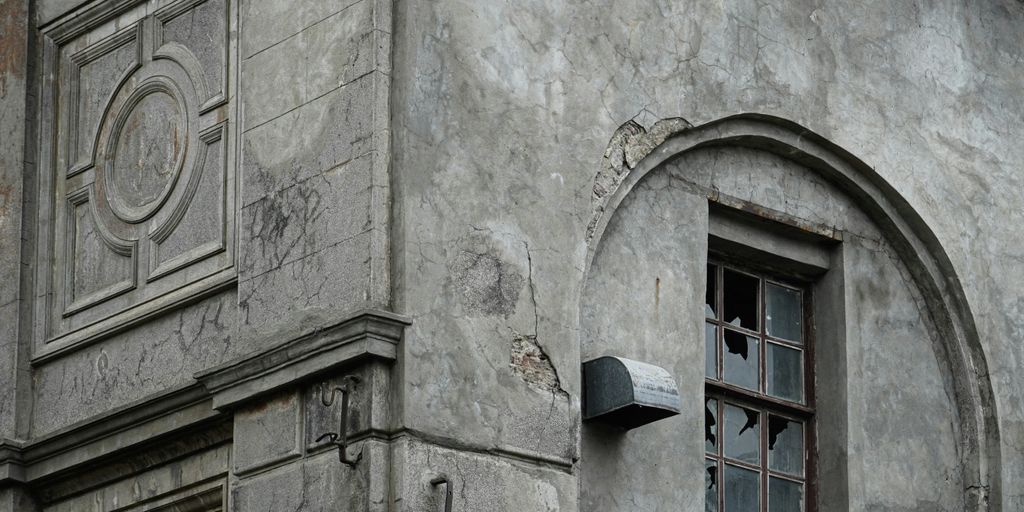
(634,152)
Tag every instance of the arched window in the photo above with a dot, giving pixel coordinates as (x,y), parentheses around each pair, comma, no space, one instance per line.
(803,231)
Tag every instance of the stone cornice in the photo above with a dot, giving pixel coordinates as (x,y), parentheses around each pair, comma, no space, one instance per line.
(319,345)
(12,461)
(364,334)
(126,427)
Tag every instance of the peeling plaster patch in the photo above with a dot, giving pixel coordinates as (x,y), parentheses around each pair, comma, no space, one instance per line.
(531,363)
(486,284)
(7,203)
(628,145)
(12,42)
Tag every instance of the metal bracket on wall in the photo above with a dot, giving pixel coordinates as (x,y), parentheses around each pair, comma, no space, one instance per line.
(443,479)
(340,438)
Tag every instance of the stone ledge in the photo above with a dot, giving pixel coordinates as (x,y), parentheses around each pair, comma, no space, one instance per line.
(12,462)
(306,352)
(121,430)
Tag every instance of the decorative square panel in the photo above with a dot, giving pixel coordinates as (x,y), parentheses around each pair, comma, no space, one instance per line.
(137,193)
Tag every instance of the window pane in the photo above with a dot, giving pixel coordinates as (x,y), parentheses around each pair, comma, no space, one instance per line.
(711,351)
(785,372)
(711,425)
(740,299)
(710,297)
(742,437)
(740,359)
(742,489)
(785,445)
(784,317)
(710,486)
(784,496)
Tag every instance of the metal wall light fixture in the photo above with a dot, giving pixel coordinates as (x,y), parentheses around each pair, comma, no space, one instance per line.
(627,393)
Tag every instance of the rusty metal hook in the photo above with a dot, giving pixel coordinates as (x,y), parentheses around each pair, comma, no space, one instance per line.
(340,438)
(323,395)
(443,479)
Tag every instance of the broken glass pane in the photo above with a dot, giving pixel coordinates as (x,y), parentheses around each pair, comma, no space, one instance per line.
(741,489)
(710,486)
(711,425)
(742,438)
(785,372)
(785,445)
(740,299)
(711,351)
(741,360)
(710,297)
(784,496)
(783,313)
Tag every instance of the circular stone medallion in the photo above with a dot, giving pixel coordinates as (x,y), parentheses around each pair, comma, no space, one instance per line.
(147,147)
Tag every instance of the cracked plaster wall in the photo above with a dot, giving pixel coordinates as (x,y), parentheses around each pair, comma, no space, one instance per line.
(646,276)
(503,112)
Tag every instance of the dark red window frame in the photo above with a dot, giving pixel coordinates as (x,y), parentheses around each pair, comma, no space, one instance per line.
(723,392)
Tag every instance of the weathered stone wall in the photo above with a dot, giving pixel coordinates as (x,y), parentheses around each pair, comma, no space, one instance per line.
(16,101)
(199,180)
(291,158)
(503,113)
(212,209)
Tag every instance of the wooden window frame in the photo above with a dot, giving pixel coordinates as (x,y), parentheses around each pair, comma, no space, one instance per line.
(735,395)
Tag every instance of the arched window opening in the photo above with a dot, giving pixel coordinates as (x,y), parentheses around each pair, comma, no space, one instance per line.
(892,338)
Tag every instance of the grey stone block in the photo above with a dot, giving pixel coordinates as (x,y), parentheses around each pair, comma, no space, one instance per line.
(267,432)
(266,24)
(292,223)
(302,68)
(336,278)
(479,482)
(314,138)
(315,484)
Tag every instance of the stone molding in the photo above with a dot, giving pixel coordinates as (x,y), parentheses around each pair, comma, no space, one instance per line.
(311,351)
(120,429)
(12,462)
(196,408)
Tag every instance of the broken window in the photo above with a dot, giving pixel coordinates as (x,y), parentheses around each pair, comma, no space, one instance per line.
(757,412)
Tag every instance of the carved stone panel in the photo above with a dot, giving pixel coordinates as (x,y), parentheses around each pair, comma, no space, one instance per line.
(138,188)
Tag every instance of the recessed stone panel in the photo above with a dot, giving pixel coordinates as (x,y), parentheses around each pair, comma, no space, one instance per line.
(93,76)
(141,153)
(267,432)
(200,231)
(101,267)
(146,148)
(199,29)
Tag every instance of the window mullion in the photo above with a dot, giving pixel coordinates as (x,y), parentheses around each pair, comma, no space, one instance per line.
(764,460)
(721,455)
(720,331)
